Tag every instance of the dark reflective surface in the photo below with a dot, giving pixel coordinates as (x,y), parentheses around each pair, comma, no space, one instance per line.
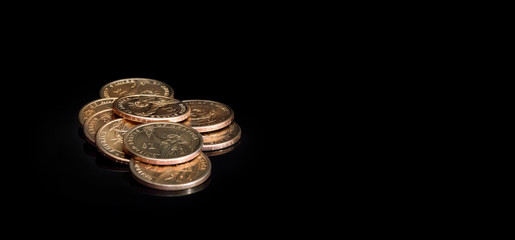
(74,179)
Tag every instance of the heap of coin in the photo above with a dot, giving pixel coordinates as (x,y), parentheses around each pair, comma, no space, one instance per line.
(137,121)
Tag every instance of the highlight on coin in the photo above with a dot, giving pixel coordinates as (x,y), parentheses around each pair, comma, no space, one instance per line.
(165,143)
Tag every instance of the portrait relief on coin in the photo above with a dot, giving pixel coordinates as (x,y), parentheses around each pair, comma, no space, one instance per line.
(152,105)
(160,142)
(151,108)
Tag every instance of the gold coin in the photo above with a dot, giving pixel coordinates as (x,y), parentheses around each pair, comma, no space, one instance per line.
(94,107)
(208,115)
(162,143)
(151,108)
(131,86)
(221,138)
(109,139)
(96,121)
(172,177)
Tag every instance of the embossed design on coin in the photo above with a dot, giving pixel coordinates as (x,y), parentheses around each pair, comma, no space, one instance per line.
(151,108)
(163,143)
(172,177)
(131,86)
(109,139)
(221,138)
(93,107)
(96,121)
(208,115)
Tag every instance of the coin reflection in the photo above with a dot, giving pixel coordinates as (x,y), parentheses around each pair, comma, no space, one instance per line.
(162,193)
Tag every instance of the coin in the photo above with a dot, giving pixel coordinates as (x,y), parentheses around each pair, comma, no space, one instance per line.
(162,143)
(221,138)
(96,121)
(109,139)
(207,115)
(151,108)
(172,177)
(131,86)
(93,107)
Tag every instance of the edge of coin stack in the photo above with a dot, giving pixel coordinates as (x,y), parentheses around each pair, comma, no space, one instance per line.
(166,142)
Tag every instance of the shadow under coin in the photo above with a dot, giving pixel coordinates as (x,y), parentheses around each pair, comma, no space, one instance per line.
(161,193)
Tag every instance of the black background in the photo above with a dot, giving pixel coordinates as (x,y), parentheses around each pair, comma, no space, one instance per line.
(265,175)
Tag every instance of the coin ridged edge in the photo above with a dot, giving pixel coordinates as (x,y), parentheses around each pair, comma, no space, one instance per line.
(217,146)
(171,187)
(217,126)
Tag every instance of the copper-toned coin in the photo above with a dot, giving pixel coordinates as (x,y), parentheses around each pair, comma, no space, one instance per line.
(131,86)
(222,151)
(109,139)
(221,138)
(208,115)
(162,143)
(172,177)
(94,107)
(96,121)
(151,108)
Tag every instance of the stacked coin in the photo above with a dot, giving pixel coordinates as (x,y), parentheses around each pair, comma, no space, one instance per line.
(138,122)
(214,120)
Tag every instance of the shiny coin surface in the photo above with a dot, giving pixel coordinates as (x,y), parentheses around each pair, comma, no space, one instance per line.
(109,139)
(131,86)
(162,143)
(96,121)
(208,115)
(94,107)
(151,108)
(172,177)
(221,138)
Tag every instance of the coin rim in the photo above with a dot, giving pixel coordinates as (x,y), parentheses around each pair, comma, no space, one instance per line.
(141,119)
(85,105)
(137,79)
(172,187)
(217,126)
(228,143)
(162,161)
(104,151)
(89,138)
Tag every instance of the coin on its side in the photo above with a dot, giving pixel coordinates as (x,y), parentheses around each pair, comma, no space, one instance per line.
(172,177)
(94,107)
(207,115)
(221,138)
(96,121)
(162,143)
(151,108)
(109,139)
(131,86)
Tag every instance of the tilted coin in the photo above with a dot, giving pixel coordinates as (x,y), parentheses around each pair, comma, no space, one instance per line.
(162,143)
(151,108)
(94,107)
(207,115)
(96,121)
(109,139)
(172,177)
(131,86)
(221,138)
